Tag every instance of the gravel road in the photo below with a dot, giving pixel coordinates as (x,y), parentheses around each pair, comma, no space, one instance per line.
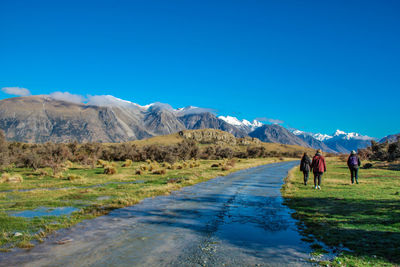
(235,220)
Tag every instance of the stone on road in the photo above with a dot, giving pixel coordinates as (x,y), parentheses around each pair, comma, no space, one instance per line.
(236,220)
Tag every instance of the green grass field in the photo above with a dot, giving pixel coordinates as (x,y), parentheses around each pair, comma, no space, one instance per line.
(92,193)
(364,217)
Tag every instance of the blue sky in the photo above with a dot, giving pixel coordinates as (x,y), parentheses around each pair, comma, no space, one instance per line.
(316,65)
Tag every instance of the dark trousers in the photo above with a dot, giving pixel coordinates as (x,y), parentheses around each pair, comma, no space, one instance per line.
(317,177)
(354,174)
(305,173)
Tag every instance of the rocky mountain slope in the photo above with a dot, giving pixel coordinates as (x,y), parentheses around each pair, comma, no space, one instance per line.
(42,119)
(274,133)
(339,141)
(109,119)
(390,138)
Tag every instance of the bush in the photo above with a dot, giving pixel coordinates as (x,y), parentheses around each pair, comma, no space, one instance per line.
(367,166)
(138,172)
(215,165)
(110,170)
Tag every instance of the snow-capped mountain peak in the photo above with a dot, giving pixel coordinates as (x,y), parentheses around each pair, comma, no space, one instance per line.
(231,120)
(241,123)
(322,137)
(339,132)
(297,132)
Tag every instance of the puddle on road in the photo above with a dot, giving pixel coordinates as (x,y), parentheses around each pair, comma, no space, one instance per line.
(43,211)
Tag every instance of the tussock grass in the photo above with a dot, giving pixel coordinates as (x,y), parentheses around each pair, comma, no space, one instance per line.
(8,178)
(110,170)
(127,163)
(84,192)
(160,171)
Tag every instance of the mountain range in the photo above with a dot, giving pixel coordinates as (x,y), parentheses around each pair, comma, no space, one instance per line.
(43,118)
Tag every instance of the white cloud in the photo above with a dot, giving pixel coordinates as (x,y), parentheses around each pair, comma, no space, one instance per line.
(273,121)
(107,100)
(68,97)
(19,91)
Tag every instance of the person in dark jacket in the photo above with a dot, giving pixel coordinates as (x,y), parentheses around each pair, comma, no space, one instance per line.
(305,166)
(318,166)
(353,162)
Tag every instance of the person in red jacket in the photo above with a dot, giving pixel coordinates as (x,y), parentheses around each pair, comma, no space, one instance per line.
(318,167)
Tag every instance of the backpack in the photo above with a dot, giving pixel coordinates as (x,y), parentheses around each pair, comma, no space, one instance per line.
(353,161)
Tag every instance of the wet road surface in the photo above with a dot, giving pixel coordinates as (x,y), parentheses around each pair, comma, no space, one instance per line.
(236,220)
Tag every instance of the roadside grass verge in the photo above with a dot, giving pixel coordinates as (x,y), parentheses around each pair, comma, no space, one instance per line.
(363,218)
(94,193)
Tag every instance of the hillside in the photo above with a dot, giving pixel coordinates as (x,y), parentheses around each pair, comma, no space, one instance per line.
(39,119)
(218,137)
(277,134)
(107,119)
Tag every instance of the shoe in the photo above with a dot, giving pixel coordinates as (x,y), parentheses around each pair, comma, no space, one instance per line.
(356,182)
(319,188)
(315,187)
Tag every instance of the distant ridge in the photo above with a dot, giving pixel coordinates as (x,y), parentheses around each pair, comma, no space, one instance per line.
(43,118)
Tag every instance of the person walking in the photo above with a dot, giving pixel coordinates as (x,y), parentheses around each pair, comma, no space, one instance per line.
(353,162)
(318,167)
(305,166)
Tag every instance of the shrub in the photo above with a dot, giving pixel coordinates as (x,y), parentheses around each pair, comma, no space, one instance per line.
(367,166)
(127,163)
(215,165)
(160,171)
(179,167)
(110,170)
(138,172)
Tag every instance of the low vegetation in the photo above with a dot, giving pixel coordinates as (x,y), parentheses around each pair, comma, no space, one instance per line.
(382,151)
(95,178)
(359,223)
(94,191)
